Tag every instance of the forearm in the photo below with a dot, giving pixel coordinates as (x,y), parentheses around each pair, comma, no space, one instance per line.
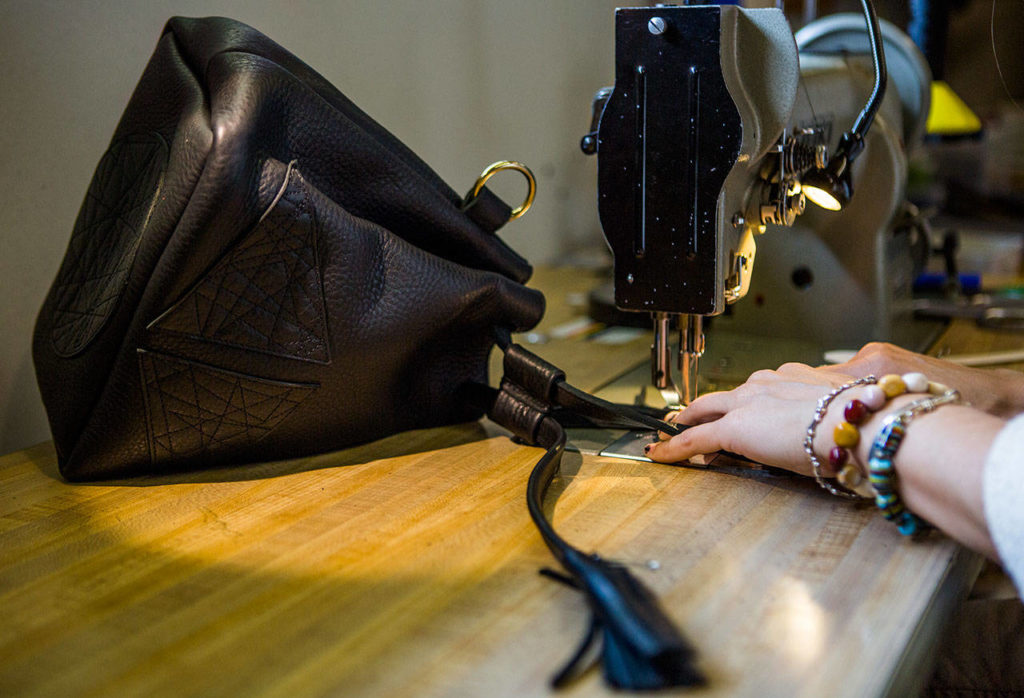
(1006,393)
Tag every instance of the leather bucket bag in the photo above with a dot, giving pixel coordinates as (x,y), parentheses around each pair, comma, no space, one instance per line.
(259,271)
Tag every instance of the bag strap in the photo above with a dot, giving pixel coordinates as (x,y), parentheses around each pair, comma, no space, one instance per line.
(641,649)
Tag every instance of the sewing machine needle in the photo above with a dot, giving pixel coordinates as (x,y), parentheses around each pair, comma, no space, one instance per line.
(691,348)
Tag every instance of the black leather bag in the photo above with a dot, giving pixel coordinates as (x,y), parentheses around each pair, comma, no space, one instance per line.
(260,271)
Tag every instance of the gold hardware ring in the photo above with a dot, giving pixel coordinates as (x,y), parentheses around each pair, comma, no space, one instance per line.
(508,165)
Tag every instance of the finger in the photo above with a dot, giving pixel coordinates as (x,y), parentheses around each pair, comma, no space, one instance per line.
(763,375)
(853,367)
(789,373)
(697,440)
(693,419)
(705,408)
(671,419)
(817,375)
(793,368)
(873,357)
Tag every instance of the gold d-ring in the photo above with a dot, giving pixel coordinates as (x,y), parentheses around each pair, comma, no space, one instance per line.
(508,165)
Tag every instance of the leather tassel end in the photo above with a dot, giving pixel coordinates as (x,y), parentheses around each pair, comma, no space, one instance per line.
(641,649)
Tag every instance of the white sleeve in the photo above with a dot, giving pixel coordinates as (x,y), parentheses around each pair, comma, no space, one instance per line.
(1003,496)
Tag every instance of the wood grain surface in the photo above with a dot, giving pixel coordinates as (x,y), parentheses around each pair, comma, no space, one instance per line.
(408,567)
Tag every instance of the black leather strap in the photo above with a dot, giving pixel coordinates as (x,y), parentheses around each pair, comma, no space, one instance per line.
(546,383)
(536,375)
(487,210)
(519,412)
(641,648)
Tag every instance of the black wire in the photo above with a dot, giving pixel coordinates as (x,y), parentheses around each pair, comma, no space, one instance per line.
(867,115)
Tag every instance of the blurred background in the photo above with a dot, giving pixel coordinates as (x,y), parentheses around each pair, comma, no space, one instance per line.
(462,82)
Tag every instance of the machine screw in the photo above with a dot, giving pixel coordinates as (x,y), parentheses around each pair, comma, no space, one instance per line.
(588,144)
(657,26)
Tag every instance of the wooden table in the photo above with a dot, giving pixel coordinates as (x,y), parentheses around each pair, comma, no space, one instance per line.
(409,567)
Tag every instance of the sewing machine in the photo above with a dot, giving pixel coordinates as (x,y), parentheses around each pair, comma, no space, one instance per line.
(722,126)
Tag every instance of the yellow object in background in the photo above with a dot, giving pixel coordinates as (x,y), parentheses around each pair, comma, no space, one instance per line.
(949,115)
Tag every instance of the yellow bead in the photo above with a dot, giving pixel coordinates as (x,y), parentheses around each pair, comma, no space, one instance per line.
(892,385)
(846,435)
(851,478)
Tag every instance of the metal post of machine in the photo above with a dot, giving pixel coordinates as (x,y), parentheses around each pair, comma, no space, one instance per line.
(691,348)
(661,359)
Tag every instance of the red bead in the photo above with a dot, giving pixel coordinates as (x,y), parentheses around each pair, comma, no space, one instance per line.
(856,412)
(837,457)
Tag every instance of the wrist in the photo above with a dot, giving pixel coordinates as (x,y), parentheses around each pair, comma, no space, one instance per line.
(864,399)
(873,426)
(923,455)
(863,463)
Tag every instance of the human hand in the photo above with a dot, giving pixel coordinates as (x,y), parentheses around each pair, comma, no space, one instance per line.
(765,419)
(941,459)
(999,392)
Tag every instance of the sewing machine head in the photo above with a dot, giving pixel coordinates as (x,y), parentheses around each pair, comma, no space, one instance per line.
(700,149)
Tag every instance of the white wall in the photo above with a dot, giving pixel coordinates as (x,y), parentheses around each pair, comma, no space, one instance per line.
(462,82)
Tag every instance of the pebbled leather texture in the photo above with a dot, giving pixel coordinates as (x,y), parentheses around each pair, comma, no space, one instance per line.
(261,271)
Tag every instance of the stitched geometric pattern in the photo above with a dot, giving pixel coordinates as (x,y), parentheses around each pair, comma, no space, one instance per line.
(266,293)
(193,408)
(105,239)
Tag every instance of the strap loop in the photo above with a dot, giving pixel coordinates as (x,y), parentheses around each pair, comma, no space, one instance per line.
(519,412)
(534,374)
(487,210)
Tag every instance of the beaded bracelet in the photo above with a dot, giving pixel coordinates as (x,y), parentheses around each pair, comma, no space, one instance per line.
(847,435)
(858,411)
(819,414)
(881,471)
